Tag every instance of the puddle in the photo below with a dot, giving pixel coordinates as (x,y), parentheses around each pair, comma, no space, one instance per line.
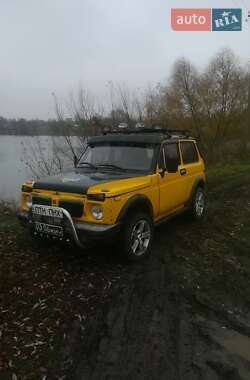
(233,342)
(235,347)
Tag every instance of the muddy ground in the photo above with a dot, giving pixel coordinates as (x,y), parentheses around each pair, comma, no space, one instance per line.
(182,314)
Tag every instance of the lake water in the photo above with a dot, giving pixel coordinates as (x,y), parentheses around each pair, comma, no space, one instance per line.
(13,170)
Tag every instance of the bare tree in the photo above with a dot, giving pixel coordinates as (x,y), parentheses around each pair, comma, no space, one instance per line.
(86,119)
(183,94)
(154,106)
(223,93)
(126,105)
(211,103)
(66,126)
(42,157)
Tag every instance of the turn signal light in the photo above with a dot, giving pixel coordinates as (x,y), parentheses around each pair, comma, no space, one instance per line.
(96,197)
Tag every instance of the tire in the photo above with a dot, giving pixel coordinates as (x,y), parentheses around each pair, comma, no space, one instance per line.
(197,207)
(137,236)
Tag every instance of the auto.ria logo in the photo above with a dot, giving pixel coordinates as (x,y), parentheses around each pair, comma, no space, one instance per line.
(227,20)
(206,19)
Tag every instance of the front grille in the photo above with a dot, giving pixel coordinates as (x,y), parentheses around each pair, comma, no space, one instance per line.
(48,220)
(75,208)
(36,200)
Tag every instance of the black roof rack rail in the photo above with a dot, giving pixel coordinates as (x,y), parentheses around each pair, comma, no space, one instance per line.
(180,133)
(170,133)
(128,131)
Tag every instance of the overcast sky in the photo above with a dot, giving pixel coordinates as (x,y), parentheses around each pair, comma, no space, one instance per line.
(54,45)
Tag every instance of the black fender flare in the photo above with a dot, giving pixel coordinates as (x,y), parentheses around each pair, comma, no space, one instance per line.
(199,182)
(140,201)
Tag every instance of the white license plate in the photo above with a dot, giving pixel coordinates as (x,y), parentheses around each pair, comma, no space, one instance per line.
(54,212)
(49,229)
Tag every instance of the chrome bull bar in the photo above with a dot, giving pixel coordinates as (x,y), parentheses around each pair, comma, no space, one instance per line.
(72,226)
(49,211)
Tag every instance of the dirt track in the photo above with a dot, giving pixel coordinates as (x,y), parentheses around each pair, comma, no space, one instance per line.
(162,324)
(183,314)
(148,334)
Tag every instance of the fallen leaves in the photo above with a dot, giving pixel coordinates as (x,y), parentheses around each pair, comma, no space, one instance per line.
(43,293)
(4,360)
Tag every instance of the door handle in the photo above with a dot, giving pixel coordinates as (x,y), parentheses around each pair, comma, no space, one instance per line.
(183,171)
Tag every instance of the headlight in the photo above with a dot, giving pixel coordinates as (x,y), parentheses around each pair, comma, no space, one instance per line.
(28,201)
(97,212)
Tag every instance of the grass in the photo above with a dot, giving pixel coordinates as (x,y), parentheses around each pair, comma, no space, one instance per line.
(212,258)
(219,171)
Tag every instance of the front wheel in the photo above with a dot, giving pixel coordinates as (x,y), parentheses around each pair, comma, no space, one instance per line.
(137,236)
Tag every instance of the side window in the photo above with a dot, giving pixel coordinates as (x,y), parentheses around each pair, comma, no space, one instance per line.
(172,153)
(189,152)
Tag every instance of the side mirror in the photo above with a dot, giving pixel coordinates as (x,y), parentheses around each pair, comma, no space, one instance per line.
(75,161)
(172,166)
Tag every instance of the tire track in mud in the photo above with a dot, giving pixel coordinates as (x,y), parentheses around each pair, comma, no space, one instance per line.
(152,328)
(148,330)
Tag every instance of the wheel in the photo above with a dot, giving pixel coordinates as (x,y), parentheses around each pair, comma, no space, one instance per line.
(197,206)
(137,236)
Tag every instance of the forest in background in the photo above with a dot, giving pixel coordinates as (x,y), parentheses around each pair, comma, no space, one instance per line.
(23,127)
(212,103)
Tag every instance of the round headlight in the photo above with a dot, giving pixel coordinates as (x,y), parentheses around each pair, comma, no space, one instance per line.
(97,212)
(28,201)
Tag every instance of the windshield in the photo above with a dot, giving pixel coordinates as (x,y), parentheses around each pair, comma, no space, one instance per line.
(132,157)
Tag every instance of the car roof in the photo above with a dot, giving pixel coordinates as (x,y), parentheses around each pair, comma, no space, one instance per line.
(147,136)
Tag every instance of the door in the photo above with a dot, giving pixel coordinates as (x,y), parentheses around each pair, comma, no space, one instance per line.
(172,186)
(191,164)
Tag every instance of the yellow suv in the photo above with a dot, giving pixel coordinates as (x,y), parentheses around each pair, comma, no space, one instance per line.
(124,184)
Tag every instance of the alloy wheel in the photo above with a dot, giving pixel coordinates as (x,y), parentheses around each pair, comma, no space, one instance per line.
(199,203)
(140,237)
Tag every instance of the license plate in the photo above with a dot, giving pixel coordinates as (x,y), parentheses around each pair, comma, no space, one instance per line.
(49,229)
(54,212)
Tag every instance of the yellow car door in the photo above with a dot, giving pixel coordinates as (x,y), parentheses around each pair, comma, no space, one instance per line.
(172,184)
(192,164)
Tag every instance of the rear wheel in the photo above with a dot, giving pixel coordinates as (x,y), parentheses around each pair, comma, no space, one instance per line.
(197,206)
(137,236)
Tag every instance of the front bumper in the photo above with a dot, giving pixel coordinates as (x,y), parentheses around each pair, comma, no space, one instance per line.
(81,233)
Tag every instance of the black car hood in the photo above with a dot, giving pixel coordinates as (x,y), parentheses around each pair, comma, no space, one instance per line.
(78,180)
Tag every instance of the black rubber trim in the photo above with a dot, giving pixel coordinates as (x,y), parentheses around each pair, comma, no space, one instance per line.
(136,200)
(23,218)
(87,232)
(165,219)
(95,228)
(198,182)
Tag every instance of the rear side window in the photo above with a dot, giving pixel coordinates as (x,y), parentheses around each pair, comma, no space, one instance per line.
(172,153)
(189,152)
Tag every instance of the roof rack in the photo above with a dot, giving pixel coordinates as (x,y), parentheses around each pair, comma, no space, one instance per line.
(180,133)
(170,133)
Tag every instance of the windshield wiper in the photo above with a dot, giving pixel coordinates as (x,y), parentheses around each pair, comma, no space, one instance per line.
(111,166)
(87,164)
